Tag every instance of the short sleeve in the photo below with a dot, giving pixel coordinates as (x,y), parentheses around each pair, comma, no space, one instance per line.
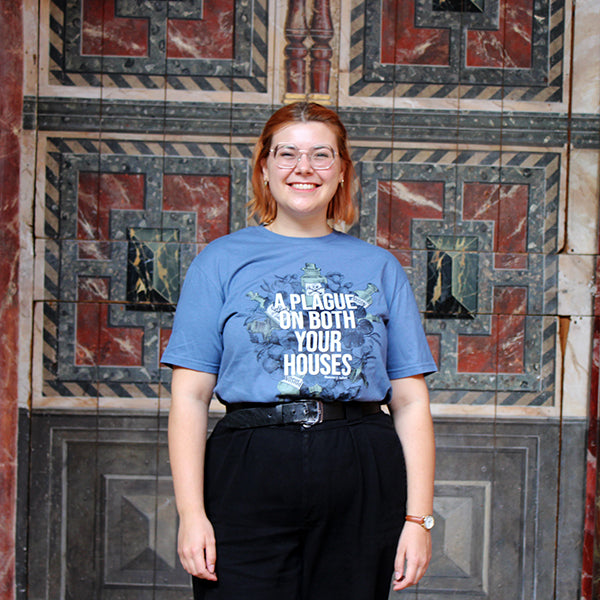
(408,350)
(196,339)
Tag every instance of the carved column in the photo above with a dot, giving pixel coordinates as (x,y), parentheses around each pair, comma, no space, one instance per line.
(295,63)
(321,32)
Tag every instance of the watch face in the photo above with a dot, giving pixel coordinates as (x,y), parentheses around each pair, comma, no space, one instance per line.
(428,522)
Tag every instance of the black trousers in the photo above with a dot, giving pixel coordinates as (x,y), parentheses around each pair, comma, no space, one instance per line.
(305,514)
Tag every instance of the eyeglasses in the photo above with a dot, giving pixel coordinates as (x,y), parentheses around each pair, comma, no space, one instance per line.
(287,156)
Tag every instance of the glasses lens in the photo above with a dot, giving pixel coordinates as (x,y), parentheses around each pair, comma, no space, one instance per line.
(321,157)
(287,156)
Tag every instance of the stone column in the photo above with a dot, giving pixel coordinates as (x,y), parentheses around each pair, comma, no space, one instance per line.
(321,32)
(296,32)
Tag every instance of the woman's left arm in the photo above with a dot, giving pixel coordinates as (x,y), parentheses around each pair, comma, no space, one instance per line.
(412,420)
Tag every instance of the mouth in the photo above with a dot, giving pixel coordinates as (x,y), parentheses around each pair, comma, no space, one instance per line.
(303,186)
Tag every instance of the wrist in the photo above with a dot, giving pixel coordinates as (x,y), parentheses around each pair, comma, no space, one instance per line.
(425,521)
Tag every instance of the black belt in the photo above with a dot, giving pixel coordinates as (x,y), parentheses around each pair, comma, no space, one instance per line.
(306,413)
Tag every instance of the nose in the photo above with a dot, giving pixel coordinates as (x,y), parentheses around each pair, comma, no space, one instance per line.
(303,163)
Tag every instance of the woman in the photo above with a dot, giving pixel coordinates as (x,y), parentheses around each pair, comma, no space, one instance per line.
(305,489)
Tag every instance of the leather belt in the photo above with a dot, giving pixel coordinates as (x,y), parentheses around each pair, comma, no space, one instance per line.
(306,413)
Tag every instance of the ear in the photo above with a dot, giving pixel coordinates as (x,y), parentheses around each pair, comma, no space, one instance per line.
(263,168)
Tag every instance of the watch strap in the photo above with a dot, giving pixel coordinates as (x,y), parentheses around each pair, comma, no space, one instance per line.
(426,521)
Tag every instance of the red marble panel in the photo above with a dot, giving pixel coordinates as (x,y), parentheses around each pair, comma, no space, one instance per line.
(403,43)
(9,317)
(211,37)
(98,194)
(206,195)
(104,33)
(8,477)
(435,344)
(398,203)
(97,343)
(510,46)
(590,569)
(11,113)
(165,334)
(510,304)
(507,206)
(502,351)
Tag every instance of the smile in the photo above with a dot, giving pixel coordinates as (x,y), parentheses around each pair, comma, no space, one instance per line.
(303,186)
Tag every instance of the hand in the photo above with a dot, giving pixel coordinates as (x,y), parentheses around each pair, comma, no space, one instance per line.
(412,557)
(196,546)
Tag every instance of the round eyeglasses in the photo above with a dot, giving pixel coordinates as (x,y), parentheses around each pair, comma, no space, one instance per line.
(287,156)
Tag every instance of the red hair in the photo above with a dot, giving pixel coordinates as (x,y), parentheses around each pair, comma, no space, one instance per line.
(341,207)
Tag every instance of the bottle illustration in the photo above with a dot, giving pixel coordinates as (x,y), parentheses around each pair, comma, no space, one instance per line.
(364,298)
(312,282)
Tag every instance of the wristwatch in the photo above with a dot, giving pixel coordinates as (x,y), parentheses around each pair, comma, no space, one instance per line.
(426,521)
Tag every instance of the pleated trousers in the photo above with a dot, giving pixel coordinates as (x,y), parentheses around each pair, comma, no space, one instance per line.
(305,513)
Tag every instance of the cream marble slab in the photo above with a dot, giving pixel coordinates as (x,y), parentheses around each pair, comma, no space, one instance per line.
(576,287)
(584,192)
(26,276)
(586,57)
(577,364)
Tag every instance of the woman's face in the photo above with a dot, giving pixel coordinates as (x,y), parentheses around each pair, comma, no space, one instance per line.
(302,192)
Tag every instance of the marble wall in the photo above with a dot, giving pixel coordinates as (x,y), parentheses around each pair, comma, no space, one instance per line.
(10,118)
(476,129)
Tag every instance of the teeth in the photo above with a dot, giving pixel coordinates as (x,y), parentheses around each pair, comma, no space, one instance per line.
(303,186)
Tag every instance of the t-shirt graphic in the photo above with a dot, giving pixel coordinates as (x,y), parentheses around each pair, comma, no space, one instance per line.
(314,332)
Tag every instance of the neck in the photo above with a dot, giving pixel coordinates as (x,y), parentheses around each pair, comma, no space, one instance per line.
(299,229)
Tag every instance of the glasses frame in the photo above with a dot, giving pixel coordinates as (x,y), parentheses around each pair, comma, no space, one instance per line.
(308,153)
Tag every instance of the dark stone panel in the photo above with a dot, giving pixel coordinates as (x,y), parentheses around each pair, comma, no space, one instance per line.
(571,501)
(22,533)
(440,126)
(103,520)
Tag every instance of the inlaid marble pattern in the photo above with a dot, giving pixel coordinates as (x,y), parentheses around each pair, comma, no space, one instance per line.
(460,114)
(108,319)
(498,214)
(195,45)
(433,49)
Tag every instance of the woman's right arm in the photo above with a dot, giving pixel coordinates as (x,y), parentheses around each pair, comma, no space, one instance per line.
(191,392)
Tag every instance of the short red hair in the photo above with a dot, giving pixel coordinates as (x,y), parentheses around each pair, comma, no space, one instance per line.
(341,208)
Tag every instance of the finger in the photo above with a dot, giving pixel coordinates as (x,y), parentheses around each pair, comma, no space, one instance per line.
(211,556)
(202,568)
(399,568)
(407,579)
(194,563)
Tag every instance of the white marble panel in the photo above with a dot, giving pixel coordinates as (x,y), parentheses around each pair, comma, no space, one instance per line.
(577,365)
(576,286)
(586,60)
(584,192)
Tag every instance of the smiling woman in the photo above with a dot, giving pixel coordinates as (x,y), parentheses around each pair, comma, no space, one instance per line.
(302,192)
(301,491)
(307,127)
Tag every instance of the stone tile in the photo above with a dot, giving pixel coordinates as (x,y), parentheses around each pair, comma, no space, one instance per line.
(576,285)
(577,366)
(586,68)
(584,191)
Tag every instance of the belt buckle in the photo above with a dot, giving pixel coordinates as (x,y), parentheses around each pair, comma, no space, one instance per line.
(314,413)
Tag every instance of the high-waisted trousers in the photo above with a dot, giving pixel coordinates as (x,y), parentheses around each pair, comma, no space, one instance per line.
(305,513)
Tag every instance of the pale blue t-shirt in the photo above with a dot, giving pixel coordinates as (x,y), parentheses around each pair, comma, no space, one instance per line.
(279,318)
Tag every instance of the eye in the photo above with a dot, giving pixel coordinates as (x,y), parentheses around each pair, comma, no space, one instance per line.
(288,152)
(323,152)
